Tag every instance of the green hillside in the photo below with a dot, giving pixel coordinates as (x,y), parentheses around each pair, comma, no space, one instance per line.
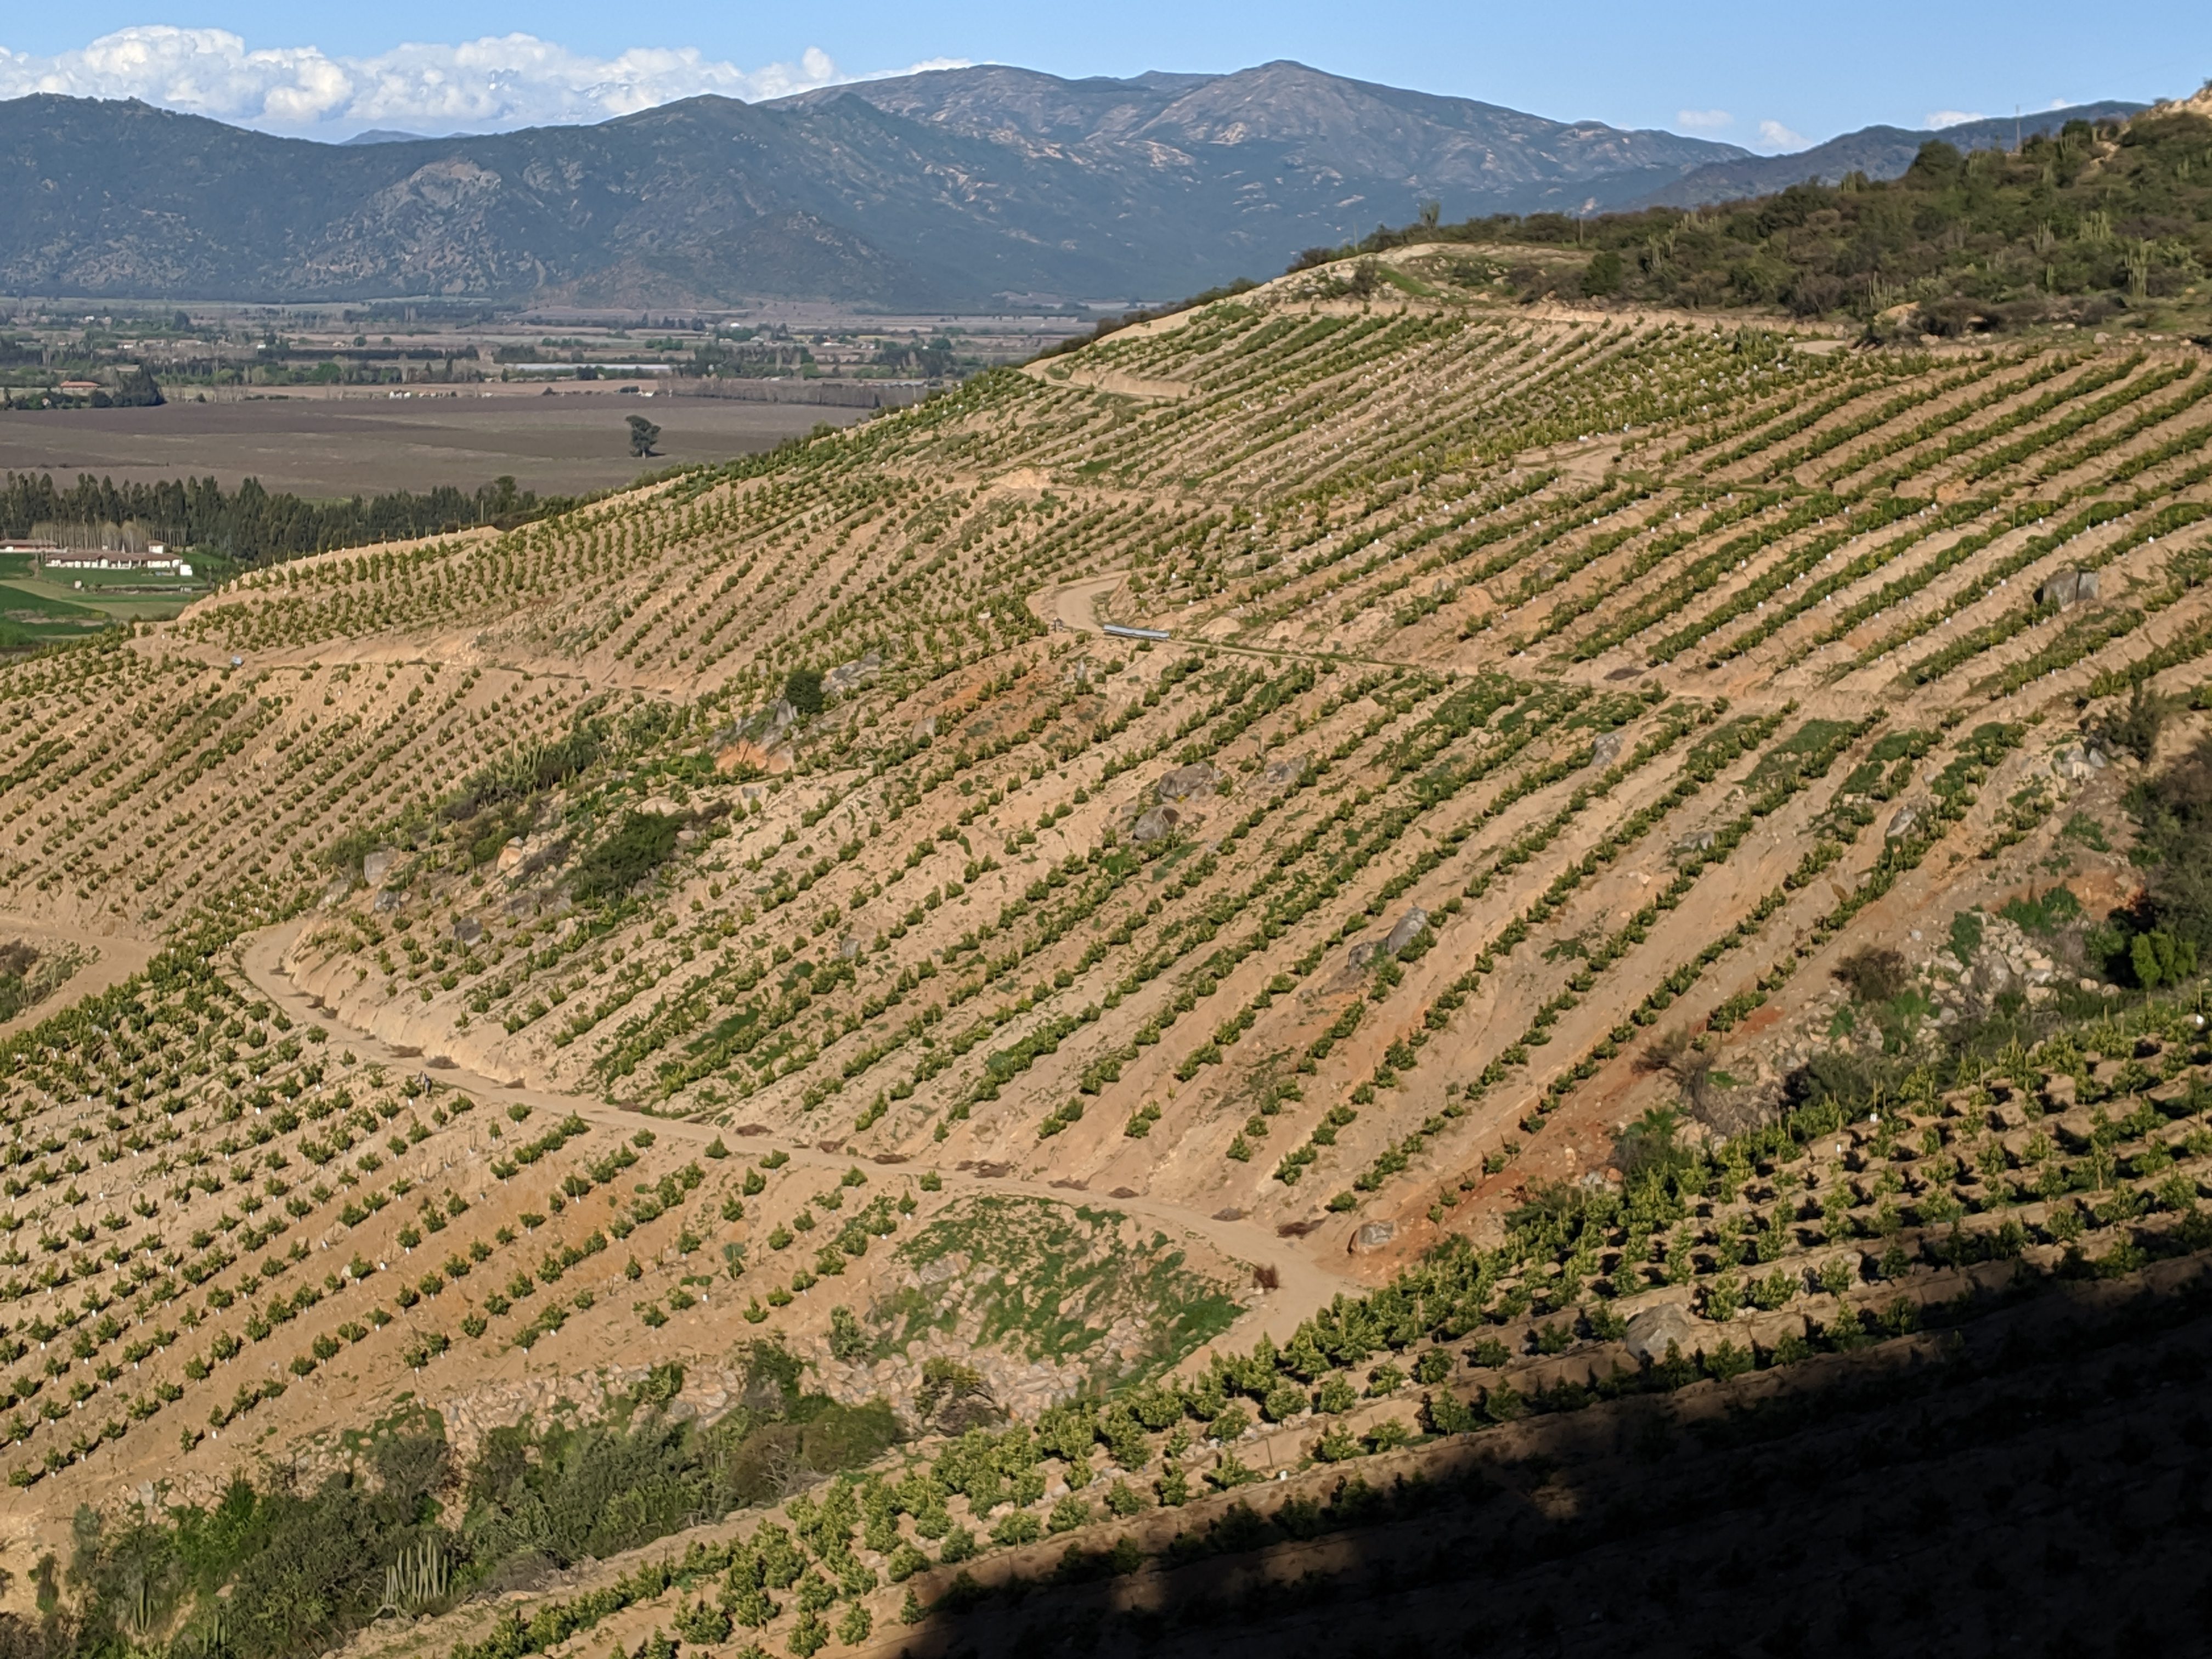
(2095,227)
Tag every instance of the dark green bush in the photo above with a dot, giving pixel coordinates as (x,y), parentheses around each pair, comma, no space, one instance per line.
(633,852)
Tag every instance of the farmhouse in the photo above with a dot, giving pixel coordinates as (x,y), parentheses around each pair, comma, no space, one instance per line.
(155,558)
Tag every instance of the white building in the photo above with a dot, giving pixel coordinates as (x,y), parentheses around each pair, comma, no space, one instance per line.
(155,558)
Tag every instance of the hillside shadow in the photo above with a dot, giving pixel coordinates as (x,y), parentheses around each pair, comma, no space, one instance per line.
(2038,1487)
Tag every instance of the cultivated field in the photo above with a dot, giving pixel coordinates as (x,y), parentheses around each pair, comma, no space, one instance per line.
(1251,1035)
(568,443)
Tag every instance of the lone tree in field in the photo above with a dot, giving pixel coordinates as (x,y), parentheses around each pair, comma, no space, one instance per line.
(643,434)
(802,689)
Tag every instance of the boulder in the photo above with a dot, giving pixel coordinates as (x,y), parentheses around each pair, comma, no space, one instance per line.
(851,676)
(1697,841)
(1652,1330)
(387,898)
(1407,929)
(965,1412)
(1373,1234)
(1361,954)
(509,856)
(334,893)
(2067,586)
(1607,750)
(2078,762)
(924,728)
(467,930)
(378,865)
(551,856)
(1287,769)
(1158,824)
(1194,781)
(1907,819)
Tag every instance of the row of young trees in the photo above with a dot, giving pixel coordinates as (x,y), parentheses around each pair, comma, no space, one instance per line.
(254,524)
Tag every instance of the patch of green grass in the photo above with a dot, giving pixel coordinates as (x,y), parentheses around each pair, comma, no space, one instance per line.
(1049,1281)
(1902,745)
(1785,758)
(1410,284)
(36,636)
(24,597)
(2044,913)
(2087,830)
(1900,1017)
(1173,856)
(1965,935)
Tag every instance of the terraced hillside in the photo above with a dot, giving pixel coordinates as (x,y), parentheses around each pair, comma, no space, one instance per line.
(1604,883)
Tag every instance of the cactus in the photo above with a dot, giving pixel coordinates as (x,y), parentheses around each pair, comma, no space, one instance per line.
(420,1576)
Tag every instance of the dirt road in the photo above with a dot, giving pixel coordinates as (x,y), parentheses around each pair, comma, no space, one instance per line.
(1304,1286)
(1076,604)
(113,959)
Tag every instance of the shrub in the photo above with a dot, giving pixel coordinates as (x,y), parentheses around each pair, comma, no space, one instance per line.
(1019,1527)
(802,689)
(627,857)
(1873,974)
(2135,729)
(2158,958)
(847,1341)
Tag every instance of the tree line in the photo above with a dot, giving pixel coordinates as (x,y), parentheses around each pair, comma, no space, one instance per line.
(253,524)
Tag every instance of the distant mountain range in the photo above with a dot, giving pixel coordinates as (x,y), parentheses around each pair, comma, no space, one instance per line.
(957,188)
(1878,152)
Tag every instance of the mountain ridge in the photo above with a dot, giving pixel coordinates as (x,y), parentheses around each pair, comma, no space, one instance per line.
(936,190)
(1880,151)
(945,189)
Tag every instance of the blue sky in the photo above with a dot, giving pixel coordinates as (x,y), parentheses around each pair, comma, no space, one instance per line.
(1762,76)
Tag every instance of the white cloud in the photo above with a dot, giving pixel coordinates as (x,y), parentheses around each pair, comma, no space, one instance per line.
(1952,118)
(497,82)
(1774,136)
(1704,120)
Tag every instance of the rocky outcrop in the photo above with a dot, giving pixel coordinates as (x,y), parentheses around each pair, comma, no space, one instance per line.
(2067,586)
(1654,1330)
(852,676)
(1408,929)
(1157,824)
(1194,782)
(2077,763)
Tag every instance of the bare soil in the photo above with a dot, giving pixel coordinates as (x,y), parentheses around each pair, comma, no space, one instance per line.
(566,444)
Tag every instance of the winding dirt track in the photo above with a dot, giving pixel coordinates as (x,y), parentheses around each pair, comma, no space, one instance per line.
(1304,1286)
